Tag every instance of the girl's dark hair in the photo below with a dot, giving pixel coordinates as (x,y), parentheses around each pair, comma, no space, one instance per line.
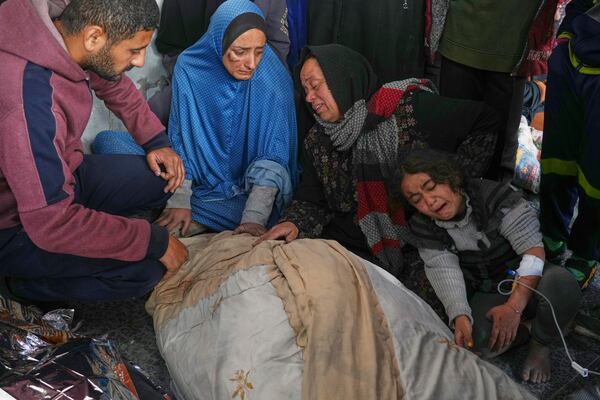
(441,166)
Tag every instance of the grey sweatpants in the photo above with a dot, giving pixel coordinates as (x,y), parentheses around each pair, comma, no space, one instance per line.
(557,284)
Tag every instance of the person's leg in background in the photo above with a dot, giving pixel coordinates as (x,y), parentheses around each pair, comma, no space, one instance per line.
(584,239)
(160,102)
(511,134)
(563,126)
(119,185)
(500,91)
(460,81)
(571,166)
(432,71)
(558,197)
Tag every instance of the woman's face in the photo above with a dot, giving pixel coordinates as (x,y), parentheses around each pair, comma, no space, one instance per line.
(435,200)
(318,94)
(244,54)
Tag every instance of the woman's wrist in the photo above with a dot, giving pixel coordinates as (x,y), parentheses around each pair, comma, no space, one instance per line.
(514,308)
(460,317)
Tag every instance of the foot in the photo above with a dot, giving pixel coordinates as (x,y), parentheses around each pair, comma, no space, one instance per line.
(536,368)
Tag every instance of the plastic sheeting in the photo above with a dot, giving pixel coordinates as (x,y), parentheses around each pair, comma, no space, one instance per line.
(41,358)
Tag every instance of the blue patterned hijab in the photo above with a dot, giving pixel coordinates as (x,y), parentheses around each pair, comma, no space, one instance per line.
(232,133)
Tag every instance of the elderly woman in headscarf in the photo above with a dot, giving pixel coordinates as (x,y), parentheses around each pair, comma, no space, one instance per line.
(233,123)
(351,152)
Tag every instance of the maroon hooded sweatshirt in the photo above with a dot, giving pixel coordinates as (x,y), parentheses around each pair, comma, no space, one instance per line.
(45,105)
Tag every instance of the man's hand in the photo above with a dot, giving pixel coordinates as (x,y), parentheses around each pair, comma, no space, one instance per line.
(174,257)
(174,218)
(174,172)
(505,324)
(463,332)
(251,228)
(285,230)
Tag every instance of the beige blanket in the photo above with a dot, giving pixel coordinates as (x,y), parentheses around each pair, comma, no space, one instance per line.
(348,346)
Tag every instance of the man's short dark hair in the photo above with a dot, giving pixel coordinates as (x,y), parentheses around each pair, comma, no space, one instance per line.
(121,19)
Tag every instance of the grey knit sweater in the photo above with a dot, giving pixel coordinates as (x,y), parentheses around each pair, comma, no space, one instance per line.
(519,225)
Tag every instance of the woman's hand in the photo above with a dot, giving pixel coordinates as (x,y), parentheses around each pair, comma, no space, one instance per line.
(175,218)
(505,321)
(285,230)
(463,332)
(251,228)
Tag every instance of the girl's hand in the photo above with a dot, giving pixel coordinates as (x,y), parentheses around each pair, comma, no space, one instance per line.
(505,324)
(463,332)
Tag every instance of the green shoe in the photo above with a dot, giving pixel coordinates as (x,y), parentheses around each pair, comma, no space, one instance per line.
(554,250)
(582,270)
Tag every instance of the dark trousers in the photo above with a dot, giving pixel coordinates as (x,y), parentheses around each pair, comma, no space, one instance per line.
(557,284)
(116,184)
(500,91)
(571,157)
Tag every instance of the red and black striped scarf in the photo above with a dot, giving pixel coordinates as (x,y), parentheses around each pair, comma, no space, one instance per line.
(378,131)
(376,155)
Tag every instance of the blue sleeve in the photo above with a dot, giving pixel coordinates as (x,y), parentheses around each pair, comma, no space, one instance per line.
(270,174)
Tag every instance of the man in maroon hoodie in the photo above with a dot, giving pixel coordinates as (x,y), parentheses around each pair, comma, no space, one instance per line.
(64,233)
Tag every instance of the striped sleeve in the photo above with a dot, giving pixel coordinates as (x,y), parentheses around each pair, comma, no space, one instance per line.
(521,227)
(32,144)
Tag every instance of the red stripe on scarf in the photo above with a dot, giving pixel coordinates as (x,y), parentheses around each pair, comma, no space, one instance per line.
(372,197)
(385,101)
(385,243)
(399,217)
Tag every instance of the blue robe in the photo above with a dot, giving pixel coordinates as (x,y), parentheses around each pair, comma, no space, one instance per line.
(231,134)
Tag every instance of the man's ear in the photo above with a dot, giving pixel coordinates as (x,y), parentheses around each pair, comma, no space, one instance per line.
(94,38)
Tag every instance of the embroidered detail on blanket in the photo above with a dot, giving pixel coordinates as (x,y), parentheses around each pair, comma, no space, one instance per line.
(242,385)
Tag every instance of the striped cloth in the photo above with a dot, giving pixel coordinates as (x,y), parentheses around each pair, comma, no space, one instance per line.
(375,159)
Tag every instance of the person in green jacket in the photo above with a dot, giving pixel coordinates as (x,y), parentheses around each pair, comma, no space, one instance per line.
(483,45)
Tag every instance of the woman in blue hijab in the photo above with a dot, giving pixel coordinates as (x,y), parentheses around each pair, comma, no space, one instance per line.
(233,123)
